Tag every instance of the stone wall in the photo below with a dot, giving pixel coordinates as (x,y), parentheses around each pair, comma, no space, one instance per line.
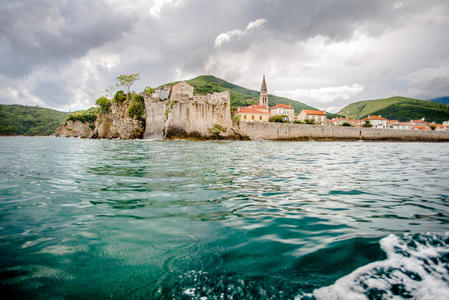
(284,131)
(198,117)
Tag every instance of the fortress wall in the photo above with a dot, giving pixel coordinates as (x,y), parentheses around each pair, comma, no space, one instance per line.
(404,135)
(189,117)
(155,119)
(283,131)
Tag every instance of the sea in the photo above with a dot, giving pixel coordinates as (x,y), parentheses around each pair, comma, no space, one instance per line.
(145,219)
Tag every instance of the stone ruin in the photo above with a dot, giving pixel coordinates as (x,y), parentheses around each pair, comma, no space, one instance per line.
(182,114)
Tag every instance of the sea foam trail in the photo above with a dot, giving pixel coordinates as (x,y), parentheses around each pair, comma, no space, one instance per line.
(417,267)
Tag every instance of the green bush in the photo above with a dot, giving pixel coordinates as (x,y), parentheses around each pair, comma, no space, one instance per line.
(236,118)
(346,124)
(120,97)
(298,122)
(85,116)
(309,122)
(148,90)
(104,104)
(217,129)
(367,124)
(279,119)
(137,108)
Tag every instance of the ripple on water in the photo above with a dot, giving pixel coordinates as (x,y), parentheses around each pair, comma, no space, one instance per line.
(180,219)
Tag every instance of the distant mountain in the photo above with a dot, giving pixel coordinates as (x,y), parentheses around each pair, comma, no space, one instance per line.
(398,108)
(444,100)
(29,120)
(240,96)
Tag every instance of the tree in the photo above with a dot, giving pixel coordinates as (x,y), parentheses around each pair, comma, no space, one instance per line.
(137,108)
(346,124)
(119,97)
(148,90)
(279,119)
(236,118)
(127,81)
(104,104)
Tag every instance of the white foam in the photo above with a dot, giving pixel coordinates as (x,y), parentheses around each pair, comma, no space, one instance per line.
(415,266)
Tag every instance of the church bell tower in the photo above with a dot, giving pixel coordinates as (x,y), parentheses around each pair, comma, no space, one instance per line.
(263,98)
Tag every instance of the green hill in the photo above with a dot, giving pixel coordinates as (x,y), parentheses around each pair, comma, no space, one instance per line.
(240,96)
(29,120)
(398,108)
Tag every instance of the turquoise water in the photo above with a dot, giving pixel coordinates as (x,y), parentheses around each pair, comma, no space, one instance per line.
(242,220)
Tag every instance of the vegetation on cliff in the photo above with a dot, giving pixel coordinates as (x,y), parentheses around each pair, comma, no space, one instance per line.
(29,120)
(104,104)
(398,108)
(85,116)
(136,108)
(120,97)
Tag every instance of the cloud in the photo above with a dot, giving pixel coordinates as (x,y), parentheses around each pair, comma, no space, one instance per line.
(325,95)
(158,5)
(64,53)
(429,82)
(228,35)
(46,32)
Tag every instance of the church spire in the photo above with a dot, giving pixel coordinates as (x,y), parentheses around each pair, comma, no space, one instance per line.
(263,98)
(264,85)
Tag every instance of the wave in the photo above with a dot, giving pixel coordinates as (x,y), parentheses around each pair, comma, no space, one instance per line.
(417,266)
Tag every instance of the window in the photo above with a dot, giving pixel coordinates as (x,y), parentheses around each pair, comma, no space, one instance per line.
(252,117)
(244,117)
(260,118)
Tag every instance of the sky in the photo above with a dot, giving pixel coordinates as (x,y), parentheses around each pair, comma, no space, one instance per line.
(65,54)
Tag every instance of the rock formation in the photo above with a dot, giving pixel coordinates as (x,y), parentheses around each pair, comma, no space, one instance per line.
(76,129)
(118,124)
(115,124)
(182,115)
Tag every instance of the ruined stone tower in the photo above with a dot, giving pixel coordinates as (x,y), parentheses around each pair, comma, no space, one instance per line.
(263,98)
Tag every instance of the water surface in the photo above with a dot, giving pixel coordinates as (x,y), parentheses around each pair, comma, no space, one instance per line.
(185,220)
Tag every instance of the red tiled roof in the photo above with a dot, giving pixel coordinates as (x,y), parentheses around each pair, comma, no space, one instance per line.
(314,112)
(421,127)
(251,110)
(418,121)
(282,106)
(257,106)
(374,118)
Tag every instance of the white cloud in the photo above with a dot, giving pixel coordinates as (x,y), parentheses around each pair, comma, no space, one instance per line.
(325,95)
(158,5)
(20,95)
(228,35)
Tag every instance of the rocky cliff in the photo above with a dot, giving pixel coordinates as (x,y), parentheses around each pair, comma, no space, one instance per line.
(115,124)
(118,124)
(76,129)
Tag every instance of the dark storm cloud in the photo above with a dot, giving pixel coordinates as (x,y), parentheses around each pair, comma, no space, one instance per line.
(95,41)
(47,32)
